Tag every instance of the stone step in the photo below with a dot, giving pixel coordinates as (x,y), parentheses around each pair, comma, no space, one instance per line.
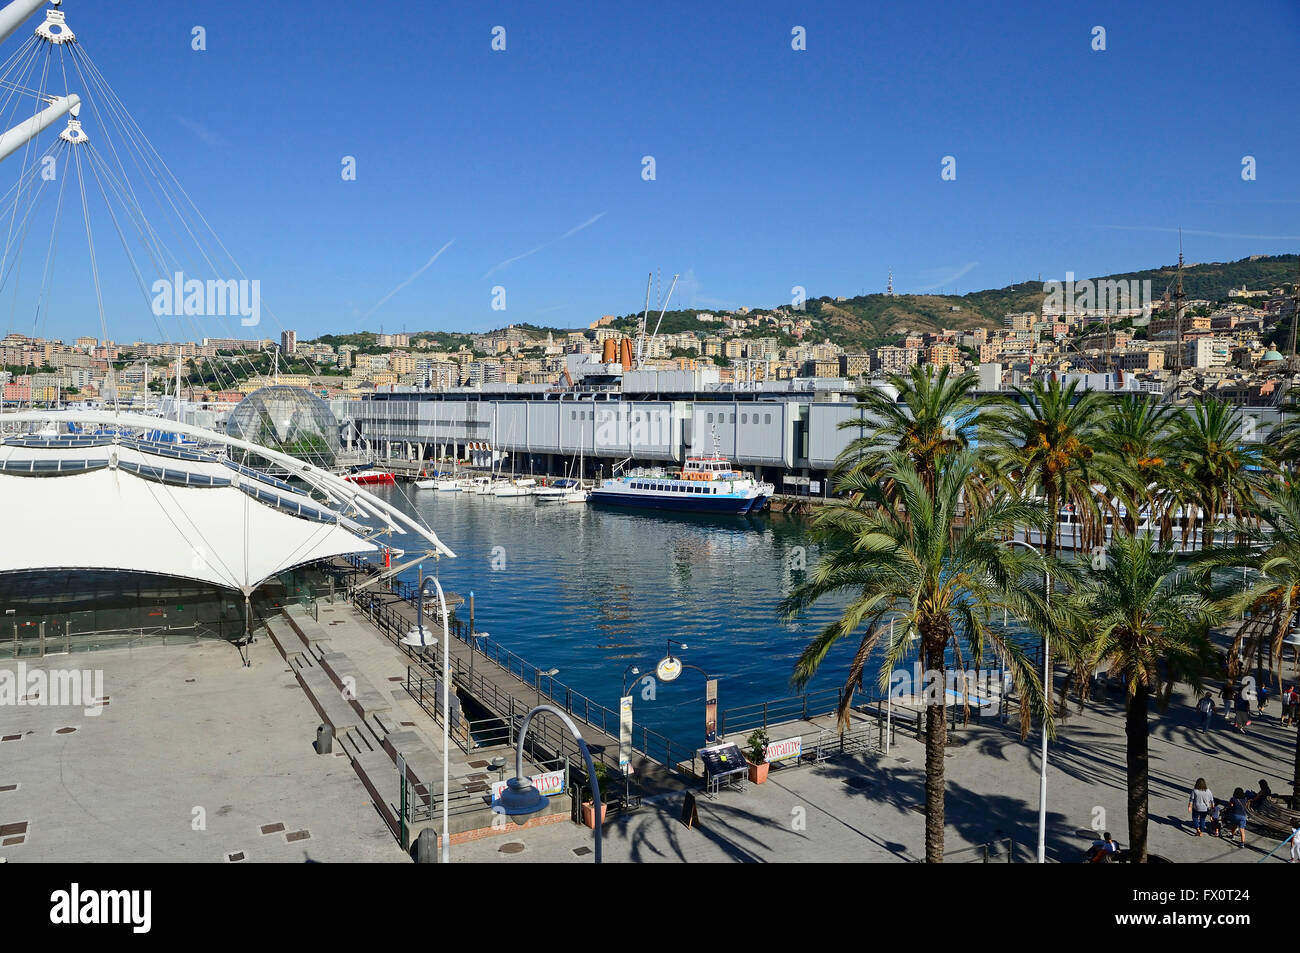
(284,637)
(379,776)
(327,701)
(375,728)
(357,736)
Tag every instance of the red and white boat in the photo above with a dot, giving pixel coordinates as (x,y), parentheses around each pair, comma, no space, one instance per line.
(368,476)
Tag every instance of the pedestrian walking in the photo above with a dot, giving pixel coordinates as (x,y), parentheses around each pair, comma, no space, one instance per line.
(1295,840)
(1199,804)
(1206,707)
(1242,706)
(1237,815)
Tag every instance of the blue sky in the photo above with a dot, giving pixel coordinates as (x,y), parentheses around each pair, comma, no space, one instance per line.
(774,168)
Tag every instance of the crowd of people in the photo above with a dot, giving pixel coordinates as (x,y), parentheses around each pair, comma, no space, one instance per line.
(1237,701)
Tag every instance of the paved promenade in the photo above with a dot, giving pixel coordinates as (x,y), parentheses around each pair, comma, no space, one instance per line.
(191,760)
(867,807)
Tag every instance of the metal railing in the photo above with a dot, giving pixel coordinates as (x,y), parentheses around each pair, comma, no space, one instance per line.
(745,718)
(464,794)
(1001,850)
(394,623)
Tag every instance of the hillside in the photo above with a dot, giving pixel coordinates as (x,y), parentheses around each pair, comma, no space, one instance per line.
(871,320)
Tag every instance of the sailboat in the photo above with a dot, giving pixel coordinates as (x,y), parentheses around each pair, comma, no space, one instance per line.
(568,490)
(514,487)
(440,481)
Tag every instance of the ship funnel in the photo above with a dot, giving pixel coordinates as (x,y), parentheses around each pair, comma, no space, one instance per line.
(625,353)
(609,352)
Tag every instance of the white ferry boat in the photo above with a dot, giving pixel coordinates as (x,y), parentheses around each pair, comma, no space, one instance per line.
(704,485)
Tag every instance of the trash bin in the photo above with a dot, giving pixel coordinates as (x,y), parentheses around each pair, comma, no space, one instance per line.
(426,847)
(324,739)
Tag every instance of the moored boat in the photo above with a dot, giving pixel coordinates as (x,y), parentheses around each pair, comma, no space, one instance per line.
(704,485)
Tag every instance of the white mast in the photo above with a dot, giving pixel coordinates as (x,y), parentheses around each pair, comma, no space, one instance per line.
(12,16)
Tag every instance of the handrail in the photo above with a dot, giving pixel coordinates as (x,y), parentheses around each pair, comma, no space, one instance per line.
(653,745)
(987,852)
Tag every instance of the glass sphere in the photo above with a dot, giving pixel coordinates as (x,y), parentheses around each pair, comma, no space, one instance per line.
(289,419)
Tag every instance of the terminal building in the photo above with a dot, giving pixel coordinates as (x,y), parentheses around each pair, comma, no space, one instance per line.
(778,430)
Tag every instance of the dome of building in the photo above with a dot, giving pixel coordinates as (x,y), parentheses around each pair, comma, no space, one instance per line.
(1271,355)
(289,419)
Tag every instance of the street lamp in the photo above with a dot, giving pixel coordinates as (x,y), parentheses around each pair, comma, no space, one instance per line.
(416,639)
(1047,689)
(520,799)
(549,673)
(630,670)
(670,666)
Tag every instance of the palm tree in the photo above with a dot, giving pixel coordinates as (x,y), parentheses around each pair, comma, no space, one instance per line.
(905,560)
(932,416)
(1045,443)
(1284,439)
(1149,623)
(1137,440)
(1215,461)
(1272,548)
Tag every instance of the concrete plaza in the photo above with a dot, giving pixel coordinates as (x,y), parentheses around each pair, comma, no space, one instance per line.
(195,758)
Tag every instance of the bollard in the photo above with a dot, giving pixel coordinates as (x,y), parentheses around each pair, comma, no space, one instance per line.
(426,847)
(324,739)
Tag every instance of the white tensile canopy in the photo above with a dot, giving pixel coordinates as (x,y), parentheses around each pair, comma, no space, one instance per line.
(106,516)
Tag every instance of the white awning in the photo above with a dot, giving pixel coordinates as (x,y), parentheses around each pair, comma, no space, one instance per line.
(111,518)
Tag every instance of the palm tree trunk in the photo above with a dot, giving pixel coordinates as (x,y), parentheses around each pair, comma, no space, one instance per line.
(1135,728)
(936,734)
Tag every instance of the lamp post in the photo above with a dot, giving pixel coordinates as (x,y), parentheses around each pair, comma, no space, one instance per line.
(1047,689)
(520,798)
(416,638)
(630,670)
(549,673)
(670,667)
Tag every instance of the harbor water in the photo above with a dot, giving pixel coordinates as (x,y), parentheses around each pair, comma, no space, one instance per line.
(591,591)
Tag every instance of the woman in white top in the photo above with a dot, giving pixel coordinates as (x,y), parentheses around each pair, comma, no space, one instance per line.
(1199,804)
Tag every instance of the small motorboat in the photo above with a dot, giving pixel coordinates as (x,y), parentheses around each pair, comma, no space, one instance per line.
(367,475)
(438,481)
(524,487)
(561,491)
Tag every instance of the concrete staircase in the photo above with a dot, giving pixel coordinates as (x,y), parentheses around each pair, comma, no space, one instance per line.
(368,733)
(361,719)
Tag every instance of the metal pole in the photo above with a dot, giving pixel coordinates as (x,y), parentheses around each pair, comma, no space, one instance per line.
(889,718)
(1047,699)
(446,704)
(1047,695)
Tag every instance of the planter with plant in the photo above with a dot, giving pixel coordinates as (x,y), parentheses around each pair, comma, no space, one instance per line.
(604,777)
(756,754)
